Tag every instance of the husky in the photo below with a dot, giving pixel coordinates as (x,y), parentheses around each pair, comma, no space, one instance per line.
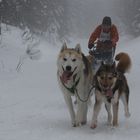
(110,86)
(75,77)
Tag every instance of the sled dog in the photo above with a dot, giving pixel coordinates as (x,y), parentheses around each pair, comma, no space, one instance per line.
(74,77)
(110,86)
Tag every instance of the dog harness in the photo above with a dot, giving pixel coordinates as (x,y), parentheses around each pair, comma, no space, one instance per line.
(74,91)
(73,87)
(110,92)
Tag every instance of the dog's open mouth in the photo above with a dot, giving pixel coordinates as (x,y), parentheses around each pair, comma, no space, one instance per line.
(109,93)
(66,75)
(107,90)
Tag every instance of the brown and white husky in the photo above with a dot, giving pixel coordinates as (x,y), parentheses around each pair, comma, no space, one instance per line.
(111,85)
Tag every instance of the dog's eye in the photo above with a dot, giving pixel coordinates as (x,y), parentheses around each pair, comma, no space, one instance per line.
(102,77)
(110,78)
(74,60)
(65,59)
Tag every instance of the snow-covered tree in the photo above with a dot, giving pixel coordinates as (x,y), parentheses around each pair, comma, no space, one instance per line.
(130,15)
(40,16)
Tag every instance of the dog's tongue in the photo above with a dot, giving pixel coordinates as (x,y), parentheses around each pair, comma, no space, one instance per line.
(109,93)
(66,76)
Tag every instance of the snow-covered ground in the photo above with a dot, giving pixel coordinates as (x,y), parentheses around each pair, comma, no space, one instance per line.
(32,106)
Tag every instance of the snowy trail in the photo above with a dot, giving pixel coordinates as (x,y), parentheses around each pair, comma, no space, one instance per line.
(32,106)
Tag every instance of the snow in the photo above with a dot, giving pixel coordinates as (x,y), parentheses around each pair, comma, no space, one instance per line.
(32,106)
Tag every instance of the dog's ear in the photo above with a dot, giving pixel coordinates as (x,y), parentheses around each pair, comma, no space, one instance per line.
(114,65)
(102,63)
(64,47)
(78,48)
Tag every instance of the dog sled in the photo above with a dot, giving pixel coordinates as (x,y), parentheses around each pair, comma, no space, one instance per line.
(104,53)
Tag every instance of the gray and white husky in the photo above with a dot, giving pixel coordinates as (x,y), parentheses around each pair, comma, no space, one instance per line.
(75,77)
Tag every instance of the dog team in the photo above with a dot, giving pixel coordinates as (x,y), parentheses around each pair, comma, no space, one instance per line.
(108,83)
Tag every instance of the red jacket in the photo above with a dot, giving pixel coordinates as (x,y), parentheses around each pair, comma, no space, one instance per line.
(96,34)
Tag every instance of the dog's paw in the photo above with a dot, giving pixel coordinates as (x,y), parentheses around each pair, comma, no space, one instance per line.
(83,123)
(115,124)
(77,124)
(80,123)
(93,126)
(127,115)
(109,123)
(74,124)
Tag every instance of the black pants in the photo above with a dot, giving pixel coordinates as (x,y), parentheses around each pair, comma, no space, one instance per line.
(106,56)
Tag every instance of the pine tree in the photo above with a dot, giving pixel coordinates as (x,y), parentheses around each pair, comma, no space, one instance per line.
(130,15)
(39,16)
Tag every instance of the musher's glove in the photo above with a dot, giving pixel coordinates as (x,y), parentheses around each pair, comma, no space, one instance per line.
(90,46)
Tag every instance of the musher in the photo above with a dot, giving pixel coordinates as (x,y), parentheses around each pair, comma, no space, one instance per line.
(106,36)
